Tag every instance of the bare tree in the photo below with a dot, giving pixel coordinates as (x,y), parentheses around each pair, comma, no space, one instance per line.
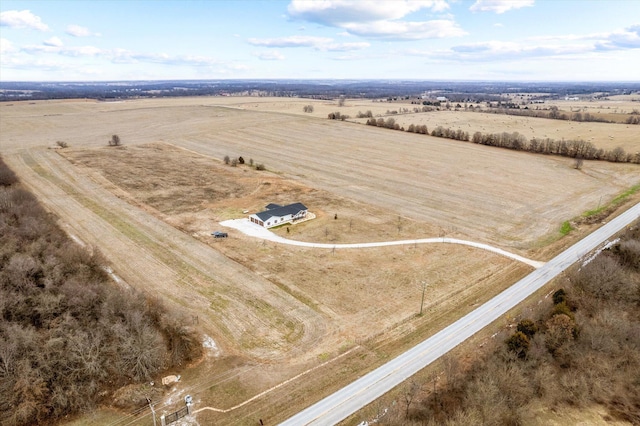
(341,101)
(308,108)
(115,140)
(409,395)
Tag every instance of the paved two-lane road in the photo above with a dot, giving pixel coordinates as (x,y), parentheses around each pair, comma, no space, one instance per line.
(353,397)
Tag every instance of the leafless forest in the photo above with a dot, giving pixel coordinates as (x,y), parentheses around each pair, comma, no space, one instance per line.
(579,348)
(68,335)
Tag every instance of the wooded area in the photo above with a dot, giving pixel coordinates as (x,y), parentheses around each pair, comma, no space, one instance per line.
(68,335)
(579,348)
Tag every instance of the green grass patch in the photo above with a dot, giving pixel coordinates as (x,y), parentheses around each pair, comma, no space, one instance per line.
(616,201)
(566,227)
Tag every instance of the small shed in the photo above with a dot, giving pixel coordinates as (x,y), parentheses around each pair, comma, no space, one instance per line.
(277,215)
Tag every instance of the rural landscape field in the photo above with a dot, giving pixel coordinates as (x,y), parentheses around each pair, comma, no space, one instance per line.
(283,325)
(318,213)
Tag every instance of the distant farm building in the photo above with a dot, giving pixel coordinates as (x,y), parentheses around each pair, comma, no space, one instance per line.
(277,215)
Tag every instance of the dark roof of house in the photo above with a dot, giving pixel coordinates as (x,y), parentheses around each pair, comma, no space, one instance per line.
(272,206)
(281,211)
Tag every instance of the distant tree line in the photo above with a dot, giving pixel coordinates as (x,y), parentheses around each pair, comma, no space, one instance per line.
(565,148)
(68,335)
(554,113)
(579,148)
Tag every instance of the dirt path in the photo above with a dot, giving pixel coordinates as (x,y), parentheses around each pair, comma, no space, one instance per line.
(249,228)
(231,303)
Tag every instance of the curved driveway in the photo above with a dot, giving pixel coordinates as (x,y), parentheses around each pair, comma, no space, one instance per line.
(254,230)
(363,391)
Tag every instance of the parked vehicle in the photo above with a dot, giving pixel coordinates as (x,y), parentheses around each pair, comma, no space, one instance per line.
(218,234)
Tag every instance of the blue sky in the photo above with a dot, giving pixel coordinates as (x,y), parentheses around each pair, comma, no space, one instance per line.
(553,40)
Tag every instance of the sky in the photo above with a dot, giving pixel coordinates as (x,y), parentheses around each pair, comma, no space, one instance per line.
(498,40)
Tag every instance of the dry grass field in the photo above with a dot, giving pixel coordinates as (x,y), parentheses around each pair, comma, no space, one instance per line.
(603,135)
(275,310)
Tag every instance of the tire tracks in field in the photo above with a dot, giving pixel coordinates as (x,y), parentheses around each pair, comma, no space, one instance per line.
(252,316)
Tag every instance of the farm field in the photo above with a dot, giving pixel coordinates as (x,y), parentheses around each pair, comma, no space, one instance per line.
(151,205)
(602,135)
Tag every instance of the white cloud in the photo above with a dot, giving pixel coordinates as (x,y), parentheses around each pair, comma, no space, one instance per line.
(627,38)
(272,55)
(406,30)
(318,43)
(199,63)
(552,47)
(22,19)
(51,46)
(345,47)
(377,19)
(498,25)
(71,62)
(53,41)
(78,31)
(6,46)
(335,13)
(499,6)
(292,41)
(495,50)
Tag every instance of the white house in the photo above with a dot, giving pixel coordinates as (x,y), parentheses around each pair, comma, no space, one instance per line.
(277,215)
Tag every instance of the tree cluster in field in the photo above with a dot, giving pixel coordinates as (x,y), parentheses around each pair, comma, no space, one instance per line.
(634,118)
(308,108)
(579,348)
(389,123)
(552,113)
(367,114)
(579,149)
(337,116)
(234,162)
(68,335)
(114,141)
(566,148)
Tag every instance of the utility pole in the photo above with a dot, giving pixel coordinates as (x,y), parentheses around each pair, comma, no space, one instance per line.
(152,411)
(424,286)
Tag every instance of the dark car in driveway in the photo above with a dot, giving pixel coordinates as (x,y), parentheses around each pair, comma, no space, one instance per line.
(218,234)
